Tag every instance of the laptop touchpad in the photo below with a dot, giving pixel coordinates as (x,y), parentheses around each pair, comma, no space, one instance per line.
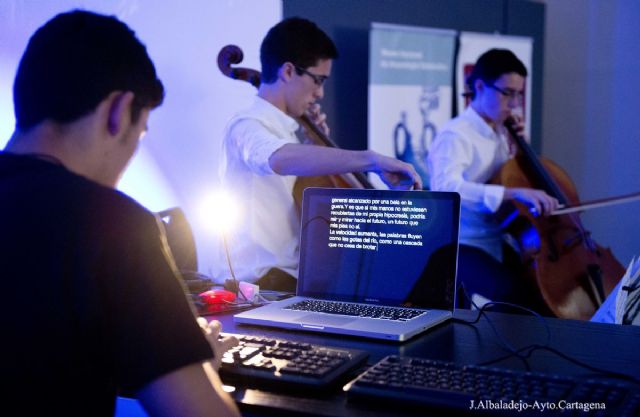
(326,320)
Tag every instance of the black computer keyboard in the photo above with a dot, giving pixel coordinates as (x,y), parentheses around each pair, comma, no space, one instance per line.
(269,363)
(357,310)
(487,390)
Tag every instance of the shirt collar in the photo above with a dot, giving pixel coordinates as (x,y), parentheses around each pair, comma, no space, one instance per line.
(478,122)
(277,115)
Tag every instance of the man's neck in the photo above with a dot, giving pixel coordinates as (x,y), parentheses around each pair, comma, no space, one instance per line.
(274,95)
(60,143)
(36,140)
(478,109)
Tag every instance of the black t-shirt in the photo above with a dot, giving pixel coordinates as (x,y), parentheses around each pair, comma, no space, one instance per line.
(91,304)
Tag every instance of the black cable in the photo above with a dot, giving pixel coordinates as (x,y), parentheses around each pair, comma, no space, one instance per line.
(512,351)
(618,375)
(503,341)
(236,283)
(525,352)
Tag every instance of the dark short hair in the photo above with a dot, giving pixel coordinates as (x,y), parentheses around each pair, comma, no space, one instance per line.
(492,65)
(295,40)
(74,62)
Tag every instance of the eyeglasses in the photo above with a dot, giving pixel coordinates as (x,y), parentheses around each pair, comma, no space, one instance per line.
(510,94)
(317,79)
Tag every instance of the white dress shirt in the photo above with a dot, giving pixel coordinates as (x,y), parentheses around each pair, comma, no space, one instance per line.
(269,231)
(464,156)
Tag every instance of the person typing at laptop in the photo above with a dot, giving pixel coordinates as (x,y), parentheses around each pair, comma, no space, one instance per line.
(262,155)
(93,306)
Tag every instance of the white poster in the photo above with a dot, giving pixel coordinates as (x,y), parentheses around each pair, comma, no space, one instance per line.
(472,45)
(410,90)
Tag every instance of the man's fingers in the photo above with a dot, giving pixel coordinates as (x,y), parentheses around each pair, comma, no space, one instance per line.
(228,342)
(411,175)
(547,203)
(416,181)
(320,119)
(215,327)
(314,108)
(202,322)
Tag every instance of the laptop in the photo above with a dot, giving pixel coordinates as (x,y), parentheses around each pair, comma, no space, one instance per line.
(373,263)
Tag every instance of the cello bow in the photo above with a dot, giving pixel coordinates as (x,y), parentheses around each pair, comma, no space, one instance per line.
(602,202)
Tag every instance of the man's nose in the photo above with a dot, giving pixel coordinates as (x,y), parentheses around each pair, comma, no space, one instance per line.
(319,93)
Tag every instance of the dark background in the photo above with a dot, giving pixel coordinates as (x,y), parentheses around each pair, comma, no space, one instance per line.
(348,23)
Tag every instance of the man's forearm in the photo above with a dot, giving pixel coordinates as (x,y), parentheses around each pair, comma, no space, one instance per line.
(304,160)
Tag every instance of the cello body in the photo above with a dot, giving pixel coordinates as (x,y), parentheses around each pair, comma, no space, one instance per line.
(572,272)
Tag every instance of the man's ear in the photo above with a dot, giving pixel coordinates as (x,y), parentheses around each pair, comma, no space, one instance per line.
(479,85)
(286,71)
(119,111)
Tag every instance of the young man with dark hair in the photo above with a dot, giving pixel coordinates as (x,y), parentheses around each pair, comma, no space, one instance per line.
(466,154)
(262,156)
(294,40)
(94,306)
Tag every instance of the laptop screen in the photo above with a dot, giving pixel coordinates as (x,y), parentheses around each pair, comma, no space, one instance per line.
(396,248)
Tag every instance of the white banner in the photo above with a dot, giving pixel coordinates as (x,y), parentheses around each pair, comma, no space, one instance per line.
(410,90)
(472,45)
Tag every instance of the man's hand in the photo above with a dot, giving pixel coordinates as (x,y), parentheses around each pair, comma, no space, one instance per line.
(516,122)
(396,174)
(315,114)
(539,201)
(219,345)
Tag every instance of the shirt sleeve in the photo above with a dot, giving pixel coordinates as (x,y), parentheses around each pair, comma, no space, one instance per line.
(253,143)
(150,324)
(449,159)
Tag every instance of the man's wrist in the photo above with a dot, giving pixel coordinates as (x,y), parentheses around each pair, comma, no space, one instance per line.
(371,160)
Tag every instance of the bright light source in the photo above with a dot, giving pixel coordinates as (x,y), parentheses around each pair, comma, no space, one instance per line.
(220,212)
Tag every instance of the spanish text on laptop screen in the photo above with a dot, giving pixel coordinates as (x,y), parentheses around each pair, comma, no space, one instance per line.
(380,246)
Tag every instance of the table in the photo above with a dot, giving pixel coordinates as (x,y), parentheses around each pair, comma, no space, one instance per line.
(608,346)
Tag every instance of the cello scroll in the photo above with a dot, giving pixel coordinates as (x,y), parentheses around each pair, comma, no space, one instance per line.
(231,55)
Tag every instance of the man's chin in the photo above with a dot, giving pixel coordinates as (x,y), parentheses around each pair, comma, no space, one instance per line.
(500,120)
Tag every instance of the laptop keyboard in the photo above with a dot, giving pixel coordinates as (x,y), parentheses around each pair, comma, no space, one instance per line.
(269,363)
(357,310)
(433,383)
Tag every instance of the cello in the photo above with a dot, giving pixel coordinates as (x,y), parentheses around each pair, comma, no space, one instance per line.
(572,272)
(232,55)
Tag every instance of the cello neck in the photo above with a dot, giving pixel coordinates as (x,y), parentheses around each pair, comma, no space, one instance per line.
(532,164)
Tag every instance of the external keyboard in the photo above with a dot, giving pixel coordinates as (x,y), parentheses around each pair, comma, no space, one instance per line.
(358,310)
(269,363)
(487,390)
